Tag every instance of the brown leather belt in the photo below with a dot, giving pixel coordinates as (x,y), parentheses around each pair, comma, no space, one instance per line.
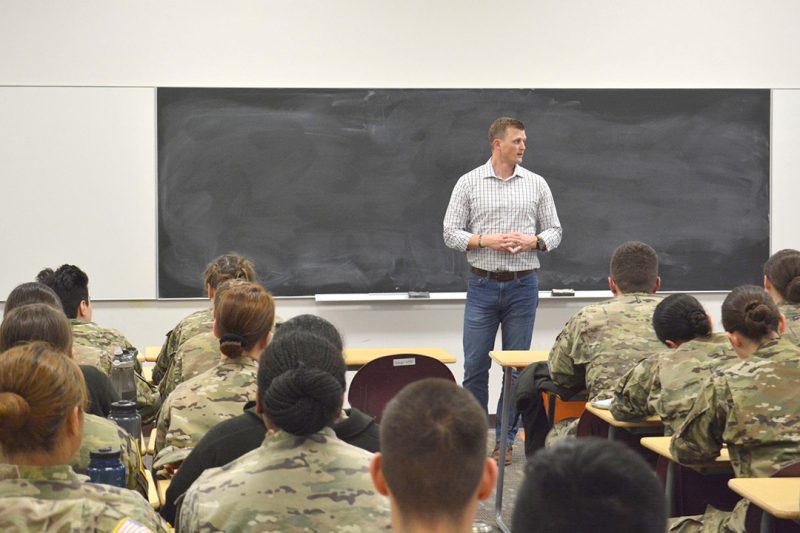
(500,276)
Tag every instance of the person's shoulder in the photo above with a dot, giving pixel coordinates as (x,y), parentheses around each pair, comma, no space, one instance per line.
(202,342)
(475,174)
(529,174)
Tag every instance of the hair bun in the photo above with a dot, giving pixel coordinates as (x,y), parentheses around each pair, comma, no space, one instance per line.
(793,290)
(14,411)
(303,400)
(698,320)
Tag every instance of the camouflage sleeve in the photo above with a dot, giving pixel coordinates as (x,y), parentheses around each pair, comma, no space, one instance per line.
(172,376)
(164,357)
(148,400)
(634,393)
(187,512)
(162,426)
(132,459)
(561,362)
(699,439)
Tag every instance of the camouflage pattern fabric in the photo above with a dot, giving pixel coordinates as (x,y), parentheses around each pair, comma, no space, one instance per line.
(602,342)
(57,499)
(93,356)
(667,383)
(194,324)
(95,337)
(289,483)
(195,406)
(101,433)
(195,356)
(564,429)
(792,314)
(753,406)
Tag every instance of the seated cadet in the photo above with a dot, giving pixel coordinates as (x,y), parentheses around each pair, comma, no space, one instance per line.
(782,281)
(592,485)
(233,438)
(101,392)
(243,320)
(302,477)
(597,346)
(40,322)
(72,286)
(752,406)
(433,464)
(224,267)
(41,424)
(666,384)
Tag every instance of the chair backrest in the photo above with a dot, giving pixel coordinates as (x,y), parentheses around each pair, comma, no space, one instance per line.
(378,381)
(753,517)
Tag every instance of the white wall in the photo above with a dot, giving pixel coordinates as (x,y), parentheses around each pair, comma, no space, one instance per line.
(361,43)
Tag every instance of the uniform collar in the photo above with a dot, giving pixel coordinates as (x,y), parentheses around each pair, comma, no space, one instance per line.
(283,440)
(39,473)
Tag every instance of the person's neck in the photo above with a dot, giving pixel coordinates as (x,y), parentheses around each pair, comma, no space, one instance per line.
(57,457)
(502,169)
(442,524)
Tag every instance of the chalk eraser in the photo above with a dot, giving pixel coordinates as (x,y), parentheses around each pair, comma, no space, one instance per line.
(419,294)
(562,292)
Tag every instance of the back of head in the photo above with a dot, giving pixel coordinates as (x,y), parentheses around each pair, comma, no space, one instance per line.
(680,318)
(70,283)
(634,267)
(36,322)
(782,269)
(301,382)
(32,292)
(312,324)
(750,311)
(589,484)
(228,266)
(498,128)
(244,313)
(433,447)
(38,388)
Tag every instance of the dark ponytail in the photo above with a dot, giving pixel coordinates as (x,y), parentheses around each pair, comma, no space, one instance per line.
(301,382)
(750,311)
(782,269)
(680,318)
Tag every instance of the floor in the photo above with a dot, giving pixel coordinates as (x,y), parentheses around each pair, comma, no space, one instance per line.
(513,479)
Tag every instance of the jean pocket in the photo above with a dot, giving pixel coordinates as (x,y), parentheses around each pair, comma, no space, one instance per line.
(476,280)
(531,280)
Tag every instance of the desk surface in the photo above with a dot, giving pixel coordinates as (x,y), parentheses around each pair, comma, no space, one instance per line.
(660,445)
(362,356)
(779,496)
(518,358)
(163,485)
(606,416)
(152,491)
(150,353)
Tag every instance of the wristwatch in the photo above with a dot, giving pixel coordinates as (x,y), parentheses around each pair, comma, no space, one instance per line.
(540,245)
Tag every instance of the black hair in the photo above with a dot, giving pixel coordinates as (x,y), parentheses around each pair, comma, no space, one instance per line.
(70,283)
(32,292)
(301,382)
(782,269)
(634,267)
(750,311)
(312,324)
(589,484)
(680,318)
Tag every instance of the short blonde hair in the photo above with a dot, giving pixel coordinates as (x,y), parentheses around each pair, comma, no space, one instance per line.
(498,128)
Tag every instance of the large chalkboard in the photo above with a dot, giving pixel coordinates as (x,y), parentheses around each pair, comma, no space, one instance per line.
(344,190)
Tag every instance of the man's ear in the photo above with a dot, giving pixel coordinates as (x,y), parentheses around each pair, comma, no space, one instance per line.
(767,283)
(658,284)
(85,310)
(612,285)
(488,479)
(671,344)
(376,474)
(781,324)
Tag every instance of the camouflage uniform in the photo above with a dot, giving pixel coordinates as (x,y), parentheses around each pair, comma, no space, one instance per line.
(194,324)
(93,356)
(289,483)
(195,406)
(55,498)
(667,383)
(97,337)
(599,345)
(792,314)
(195,356)
(753,406)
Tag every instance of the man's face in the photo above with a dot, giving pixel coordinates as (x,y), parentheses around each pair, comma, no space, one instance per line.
(512,147)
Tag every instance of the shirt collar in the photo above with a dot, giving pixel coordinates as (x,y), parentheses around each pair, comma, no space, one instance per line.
(282,439)
(39,473)
(490,171)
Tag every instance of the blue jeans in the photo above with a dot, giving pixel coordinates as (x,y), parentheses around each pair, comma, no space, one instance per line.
(490,303)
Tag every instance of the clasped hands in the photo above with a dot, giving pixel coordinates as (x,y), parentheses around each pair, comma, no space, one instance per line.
(509,242)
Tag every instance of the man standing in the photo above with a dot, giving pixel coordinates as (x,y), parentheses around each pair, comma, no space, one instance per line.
(502,215)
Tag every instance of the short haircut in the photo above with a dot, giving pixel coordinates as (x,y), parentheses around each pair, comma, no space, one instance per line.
(70,283)
(750,311)
(433,442)
(498,128)
(589,484)
(32,292)
(680,318)
(311,324)
(228,266)
(634,267)
(782,269)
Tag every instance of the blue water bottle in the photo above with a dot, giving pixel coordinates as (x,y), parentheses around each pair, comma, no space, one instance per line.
(106,467)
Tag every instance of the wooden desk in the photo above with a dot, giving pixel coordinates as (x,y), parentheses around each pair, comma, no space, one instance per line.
(147,371)
(150,354)
(151,443)
(163,485)
(779,497)
(509,360)
(649,425)
(358,357)
(660,445)
(152,492)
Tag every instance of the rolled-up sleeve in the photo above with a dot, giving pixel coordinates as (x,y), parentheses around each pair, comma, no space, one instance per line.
(455,231)
(547,218)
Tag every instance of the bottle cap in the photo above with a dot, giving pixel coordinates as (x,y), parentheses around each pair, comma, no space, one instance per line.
(123,406)
(104,453)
